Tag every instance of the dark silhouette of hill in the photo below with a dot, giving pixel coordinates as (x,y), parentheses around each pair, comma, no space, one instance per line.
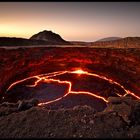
(42,38)
(49,36)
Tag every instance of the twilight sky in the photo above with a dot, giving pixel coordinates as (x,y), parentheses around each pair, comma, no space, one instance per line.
(83,21)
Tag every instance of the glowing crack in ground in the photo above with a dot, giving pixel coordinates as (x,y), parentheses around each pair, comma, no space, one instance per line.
(49,78)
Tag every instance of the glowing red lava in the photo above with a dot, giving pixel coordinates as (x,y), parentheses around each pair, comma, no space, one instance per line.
(48,78)
(79,72)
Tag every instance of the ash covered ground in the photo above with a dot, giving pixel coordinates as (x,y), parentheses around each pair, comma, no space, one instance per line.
(75,115)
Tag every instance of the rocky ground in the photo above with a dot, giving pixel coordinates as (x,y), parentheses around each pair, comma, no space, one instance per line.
(24,119)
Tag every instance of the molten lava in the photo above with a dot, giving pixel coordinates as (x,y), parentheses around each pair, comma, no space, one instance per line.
(79,72)
(47,78)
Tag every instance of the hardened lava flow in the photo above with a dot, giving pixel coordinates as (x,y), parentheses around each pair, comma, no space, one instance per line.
(48,78)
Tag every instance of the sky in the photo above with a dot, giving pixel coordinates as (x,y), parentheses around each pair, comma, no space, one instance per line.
(73,21)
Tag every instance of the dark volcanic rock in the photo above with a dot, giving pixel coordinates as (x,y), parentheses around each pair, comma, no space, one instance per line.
(76,122)
(24,105)
(119,105)
(7,108)
(13,41)
(125,107)
(49,36)
(135,114)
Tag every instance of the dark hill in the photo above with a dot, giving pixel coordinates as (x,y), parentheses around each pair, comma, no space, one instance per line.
(42,38)
(49,36)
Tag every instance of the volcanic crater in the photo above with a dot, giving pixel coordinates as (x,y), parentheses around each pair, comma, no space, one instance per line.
(110,72)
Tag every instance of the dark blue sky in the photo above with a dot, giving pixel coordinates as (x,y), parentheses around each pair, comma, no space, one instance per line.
(84,21)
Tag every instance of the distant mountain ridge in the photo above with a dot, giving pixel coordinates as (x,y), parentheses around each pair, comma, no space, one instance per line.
(127,42)
(49,38)
(109,39)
